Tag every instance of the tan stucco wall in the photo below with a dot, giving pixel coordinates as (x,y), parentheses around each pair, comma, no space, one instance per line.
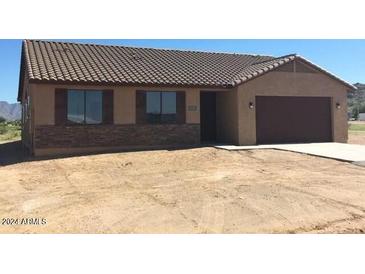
(43,104)
(193,106)
(124,105)
(290,84)
(124,102)
(227,116)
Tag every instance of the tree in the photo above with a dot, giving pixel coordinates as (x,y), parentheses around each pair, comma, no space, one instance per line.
(357,102)
(362,108)
(355,113)
(2,119)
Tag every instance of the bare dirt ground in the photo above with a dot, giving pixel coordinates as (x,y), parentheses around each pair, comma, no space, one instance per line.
(357,136)
(201,190)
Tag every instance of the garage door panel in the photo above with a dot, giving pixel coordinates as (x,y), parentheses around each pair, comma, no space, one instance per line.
(281,119)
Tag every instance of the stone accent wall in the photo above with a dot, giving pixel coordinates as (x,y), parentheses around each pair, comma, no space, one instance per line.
(116,135)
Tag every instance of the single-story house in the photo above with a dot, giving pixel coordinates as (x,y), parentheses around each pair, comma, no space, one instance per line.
(85,98)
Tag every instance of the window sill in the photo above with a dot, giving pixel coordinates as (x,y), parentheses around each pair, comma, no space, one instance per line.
(160,124)
(85,125)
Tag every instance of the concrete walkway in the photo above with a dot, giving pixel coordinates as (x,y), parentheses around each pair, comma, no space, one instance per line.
(338,151)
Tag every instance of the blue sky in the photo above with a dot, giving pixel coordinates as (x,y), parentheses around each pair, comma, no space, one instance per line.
(344,58)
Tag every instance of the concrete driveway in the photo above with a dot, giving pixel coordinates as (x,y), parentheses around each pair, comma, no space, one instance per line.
(337,151)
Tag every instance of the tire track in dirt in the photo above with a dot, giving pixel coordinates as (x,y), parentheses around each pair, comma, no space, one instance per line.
(331,224)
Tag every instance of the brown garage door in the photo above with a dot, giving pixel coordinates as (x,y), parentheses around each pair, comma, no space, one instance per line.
(293,119)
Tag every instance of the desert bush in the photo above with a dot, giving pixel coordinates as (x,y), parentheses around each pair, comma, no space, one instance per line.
(355,113)
(16,123)
(362,108)
(3,128)
(10,131)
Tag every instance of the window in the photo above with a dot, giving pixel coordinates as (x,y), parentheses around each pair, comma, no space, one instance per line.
(93,107)
(85,106)
(161,107)
(153,107)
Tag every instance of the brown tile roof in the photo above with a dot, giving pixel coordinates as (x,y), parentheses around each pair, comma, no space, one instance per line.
(97,64)
(59,61)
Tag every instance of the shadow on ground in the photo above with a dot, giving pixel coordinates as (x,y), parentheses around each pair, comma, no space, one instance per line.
(14,153)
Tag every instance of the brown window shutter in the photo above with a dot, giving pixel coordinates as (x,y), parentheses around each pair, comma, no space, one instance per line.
(141,117)
(60,106)
(180,107)
(108,107)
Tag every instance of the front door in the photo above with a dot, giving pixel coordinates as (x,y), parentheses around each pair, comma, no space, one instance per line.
(208,117)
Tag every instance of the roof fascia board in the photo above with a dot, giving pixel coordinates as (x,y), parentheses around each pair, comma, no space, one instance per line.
(22,72)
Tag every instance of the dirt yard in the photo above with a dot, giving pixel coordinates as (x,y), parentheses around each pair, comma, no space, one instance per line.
(357,132)
(201,190)
(357,137)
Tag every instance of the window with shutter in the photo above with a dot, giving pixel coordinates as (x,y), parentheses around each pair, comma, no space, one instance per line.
(162,107)
(84,107)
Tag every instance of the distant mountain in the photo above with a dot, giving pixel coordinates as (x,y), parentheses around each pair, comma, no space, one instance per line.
(360,86)
(359,92)
(10,112)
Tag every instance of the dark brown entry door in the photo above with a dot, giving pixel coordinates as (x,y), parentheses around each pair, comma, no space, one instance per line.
(208,116)
(282,119)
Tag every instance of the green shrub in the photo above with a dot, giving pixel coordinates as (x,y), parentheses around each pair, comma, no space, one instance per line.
(355,113)
(17,123)
(362,108)
(3,129)
(10,131)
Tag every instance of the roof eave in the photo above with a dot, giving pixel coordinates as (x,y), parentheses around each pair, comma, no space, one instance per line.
(107,83)
(21,73)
